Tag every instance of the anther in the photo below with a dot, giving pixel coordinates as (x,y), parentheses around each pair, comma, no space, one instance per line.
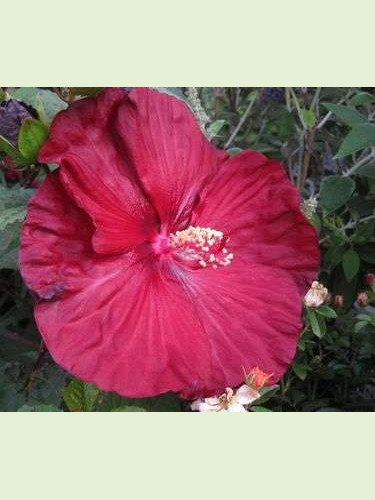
(200,246)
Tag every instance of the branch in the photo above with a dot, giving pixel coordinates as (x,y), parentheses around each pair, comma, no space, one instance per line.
(359,164)
(242,121)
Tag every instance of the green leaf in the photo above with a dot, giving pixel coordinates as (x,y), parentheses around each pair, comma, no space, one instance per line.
(326,311)
(14,197)
(317,323)
(12,211)
(11,215)
(11,151)
(285,124)
(334,255)
(46,102)
(9,243)
(85,91)
(39,408)
(308,117)
(347,115)
(360,137)
(367,171)
(259,408)
(299,370)
(367,253)
(350,264)
(214,129)
(129,408)
(267,393)
(32,135)
(364,233)
(335,191)
(79,396)
(11,395)
(359,326)
(362,98)
(234,151)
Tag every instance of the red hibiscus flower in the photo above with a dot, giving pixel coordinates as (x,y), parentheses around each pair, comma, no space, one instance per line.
(161,263)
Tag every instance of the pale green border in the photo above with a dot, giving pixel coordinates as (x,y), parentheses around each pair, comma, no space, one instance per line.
(178,456)
(187,456)
(201,43)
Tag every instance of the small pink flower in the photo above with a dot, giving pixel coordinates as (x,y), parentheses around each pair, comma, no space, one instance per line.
(362,299)
(370,279)
(228,401)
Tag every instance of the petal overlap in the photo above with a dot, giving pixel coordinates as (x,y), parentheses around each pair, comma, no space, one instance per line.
(173,158)
(98,174)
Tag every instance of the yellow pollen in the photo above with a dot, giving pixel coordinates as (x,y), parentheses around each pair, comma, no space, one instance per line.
(201,246)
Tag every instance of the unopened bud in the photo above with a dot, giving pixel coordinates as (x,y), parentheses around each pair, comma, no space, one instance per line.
(338,300)
(9,166)
(257,378)
(362,299)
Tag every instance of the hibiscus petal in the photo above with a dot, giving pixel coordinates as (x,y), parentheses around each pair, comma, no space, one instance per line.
(121,322)
(56,248)
(172,156)
(247,321)
(141,328)
(252,201)
(97,172)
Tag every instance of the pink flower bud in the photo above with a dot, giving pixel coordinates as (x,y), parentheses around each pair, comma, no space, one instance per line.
(370,279)
(362,299)
(339,300)
(8,165)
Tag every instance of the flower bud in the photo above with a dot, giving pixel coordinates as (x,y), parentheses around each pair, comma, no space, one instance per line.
(9,167)
(362,299)
(370,279)
(338,300)
(257,378)
(316,296)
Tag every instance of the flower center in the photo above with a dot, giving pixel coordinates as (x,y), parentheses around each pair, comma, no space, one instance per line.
(200,246)
(227,399)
